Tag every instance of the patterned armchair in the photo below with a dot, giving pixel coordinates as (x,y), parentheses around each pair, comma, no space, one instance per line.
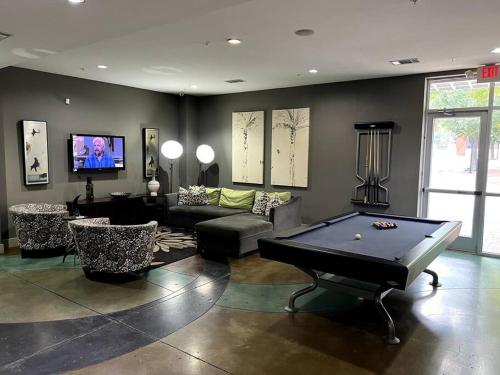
(113,248)
(41,228)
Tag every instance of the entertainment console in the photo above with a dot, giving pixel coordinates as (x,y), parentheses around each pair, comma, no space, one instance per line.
(121,211)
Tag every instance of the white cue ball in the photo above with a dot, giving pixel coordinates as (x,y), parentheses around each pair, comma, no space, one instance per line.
(357,236)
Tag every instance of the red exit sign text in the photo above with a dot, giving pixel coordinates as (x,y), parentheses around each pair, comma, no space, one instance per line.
(489,73)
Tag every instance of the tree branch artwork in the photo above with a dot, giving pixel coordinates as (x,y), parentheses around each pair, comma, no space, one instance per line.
(294,125)
(248,121)
(248,146)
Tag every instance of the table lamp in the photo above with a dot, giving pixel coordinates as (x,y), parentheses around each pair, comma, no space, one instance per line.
(172,150)
(205,155)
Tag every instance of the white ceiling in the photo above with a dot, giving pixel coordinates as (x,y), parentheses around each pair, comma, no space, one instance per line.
(170,45)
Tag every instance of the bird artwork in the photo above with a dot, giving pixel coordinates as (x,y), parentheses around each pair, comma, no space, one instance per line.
(35,165)
(28,147)
(151,163)
(33,132)
(152,137)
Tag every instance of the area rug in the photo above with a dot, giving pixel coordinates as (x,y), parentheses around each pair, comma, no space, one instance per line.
(171,245)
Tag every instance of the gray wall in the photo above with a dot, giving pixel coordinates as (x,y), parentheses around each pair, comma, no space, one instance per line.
(95,108)
(188,136)
(334,109)
(3,196)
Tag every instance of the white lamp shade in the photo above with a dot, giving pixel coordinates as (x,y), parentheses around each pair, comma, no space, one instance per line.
(205,154)
(171,149)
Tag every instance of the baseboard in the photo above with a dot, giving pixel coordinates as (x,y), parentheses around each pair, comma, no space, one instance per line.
(12,242)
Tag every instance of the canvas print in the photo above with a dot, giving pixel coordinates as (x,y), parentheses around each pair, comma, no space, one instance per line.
(36,153)
(151,151)
(290,147)
(248,147)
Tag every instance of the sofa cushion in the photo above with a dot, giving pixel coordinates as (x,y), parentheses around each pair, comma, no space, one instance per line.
(285,196)
(274,201)
(260,204)
(213,195)
(242,199)
(236,226)
(207,212)
(193,196)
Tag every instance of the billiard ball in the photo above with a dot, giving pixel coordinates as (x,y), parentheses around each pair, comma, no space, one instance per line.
(357,236)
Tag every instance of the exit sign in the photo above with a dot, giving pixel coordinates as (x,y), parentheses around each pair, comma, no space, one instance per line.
(488,73)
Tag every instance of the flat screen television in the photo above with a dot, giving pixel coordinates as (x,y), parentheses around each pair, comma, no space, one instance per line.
(91,152)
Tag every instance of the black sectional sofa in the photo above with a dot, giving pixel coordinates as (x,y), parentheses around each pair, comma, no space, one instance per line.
(228,230)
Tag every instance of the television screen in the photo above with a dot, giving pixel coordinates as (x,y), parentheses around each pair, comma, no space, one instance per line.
(97,152)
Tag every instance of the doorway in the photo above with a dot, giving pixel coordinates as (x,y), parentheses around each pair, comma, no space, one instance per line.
(460,173)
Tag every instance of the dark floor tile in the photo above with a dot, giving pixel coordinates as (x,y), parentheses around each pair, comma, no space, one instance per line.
(19,340)
(174,313)
(104,343)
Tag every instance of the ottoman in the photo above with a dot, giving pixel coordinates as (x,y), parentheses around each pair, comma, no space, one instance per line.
(232,235)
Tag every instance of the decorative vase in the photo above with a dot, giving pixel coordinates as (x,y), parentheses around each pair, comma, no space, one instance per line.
(153,186)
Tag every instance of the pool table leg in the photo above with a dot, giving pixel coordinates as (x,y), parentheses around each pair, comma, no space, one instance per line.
(391,330)
(291,301)
(435,279)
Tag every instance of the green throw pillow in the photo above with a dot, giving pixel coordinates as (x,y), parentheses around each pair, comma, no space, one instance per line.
(237,198)
(213,196)
(285,196)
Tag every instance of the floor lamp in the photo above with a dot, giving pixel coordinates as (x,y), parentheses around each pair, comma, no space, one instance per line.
(172,150)
(205,155)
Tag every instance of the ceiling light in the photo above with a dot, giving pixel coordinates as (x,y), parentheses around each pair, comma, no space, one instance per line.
(304,32)
(76,1)
(313,71)
(102,66)
(234,41)
(496,50)
(194,87)
(395,62)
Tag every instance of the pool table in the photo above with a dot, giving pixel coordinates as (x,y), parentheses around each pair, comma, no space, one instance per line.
(369,267)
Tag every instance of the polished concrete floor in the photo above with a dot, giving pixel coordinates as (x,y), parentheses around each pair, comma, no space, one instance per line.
(199,316)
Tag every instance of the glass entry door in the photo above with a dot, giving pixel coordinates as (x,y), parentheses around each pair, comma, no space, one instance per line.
(491,220)
(454,172)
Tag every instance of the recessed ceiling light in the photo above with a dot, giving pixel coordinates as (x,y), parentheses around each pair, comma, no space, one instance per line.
(304,32)
(496,50)
(395,62)
(102,66)
(313,71)
(194,87)
(234,41)
(76,1)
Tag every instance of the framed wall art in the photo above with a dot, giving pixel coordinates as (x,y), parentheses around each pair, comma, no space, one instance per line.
(290,147)
(248,147)
(35,152)
(151,151)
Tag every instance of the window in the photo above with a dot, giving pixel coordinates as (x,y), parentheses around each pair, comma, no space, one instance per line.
(459,93)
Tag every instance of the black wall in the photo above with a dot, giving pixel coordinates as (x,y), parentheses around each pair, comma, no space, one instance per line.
(95,108)
(334,109)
